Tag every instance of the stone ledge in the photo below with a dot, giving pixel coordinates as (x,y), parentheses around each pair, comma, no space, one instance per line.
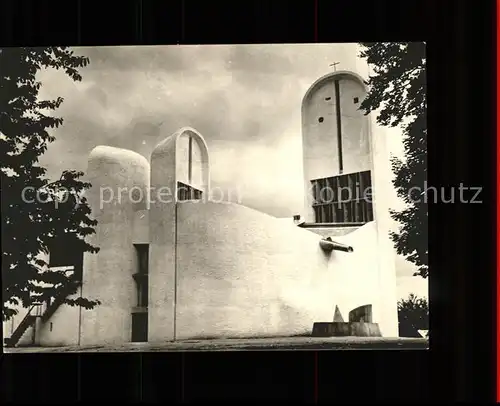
(342,329)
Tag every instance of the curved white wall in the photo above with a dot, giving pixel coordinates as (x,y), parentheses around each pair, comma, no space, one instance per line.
(63,328)
(357,276)
(320,146)
(242,273)
(107,276)
(199,161)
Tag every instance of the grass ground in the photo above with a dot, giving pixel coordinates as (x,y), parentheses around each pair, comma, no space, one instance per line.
(282,343)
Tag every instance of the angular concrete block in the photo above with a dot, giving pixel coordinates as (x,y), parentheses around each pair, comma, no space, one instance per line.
(337,317)
(361,313)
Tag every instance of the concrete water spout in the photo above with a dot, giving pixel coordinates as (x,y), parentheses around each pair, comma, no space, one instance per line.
(328,245)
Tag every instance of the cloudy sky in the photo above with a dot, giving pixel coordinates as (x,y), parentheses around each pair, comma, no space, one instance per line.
(244,99)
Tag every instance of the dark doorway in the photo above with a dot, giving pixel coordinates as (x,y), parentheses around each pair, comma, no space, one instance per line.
(139,327)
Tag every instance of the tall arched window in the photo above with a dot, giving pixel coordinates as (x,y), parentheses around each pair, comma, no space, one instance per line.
(189,168)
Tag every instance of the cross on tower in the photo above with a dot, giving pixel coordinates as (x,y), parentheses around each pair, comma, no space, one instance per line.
(334,66)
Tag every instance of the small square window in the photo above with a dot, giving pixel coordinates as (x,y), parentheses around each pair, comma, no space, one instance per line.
(356,100)
(321,119)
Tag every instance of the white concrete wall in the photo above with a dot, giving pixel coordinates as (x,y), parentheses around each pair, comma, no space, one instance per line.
(355,128)
(356,276)
(364,148)
(236,269)
(381,184)
(320,145)
(107,276)
(166,169)
(183,158)
(63,328)
(162,224)
(242,273)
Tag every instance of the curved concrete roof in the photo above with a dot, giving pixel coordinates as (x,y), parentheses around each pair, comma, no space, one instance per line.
(121,156)
(331,76)
(171,142)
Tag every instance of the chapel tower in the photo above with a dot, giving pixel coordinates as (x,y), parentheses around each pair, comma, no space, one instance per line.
(347,175)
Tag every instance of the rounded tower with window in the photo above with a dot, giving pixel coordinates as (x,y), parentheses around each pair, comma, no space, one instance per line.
(347,176)
(337,151)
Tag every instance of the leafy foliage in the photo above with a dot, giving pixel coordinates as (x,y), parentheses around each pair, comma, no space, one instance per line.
(34,210)
(413,315)
(398,89)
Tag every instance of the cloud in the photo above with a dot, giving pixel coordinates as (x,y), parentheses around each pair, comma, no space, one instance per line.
(131,97)
(132,59)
